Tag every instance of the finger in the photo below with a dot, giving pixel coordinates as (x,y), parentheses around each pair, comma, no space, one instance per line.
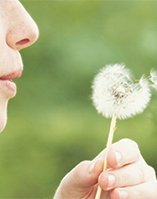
(144,191)
(81,178)
(122,153)
(129,175)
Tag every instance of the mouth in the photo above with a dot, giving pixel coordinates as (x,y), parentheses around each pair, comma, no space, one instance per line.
(7,85)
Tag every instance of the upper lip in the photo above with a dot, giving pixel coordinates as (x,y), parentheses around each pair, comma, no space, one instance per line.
(13,75)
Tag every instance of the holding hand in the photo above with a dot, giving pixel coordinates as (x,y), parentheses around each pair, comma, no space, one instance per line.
(128,176)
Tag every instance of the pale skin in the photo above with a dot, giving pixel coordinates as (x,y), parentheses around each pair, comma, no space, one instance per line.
(128,176)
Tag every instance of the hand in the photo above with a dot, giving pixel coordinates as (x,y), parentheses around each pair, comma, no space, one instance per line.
(128,176)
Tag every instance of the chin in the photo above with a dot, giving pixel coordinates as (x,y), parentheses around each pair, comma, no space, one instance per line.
(3,124)
(3,114)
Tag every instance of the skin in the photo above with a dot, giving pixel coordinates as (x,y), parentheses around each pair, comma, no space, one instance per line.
(17,31)
(128,175)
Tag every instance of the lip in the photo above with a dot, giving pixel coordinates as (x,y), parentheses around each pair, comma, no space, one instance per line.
(13,75)
(7,85)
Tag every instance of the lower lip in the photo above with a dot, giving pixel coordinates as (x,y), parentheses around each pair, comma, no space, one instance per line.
(8,86)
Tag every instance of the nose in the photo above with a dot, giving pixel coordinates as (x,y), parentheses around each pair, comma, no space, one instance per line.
(22,30)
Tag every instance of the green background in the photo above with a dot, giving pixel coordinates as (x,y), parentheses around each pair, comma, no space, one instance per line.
(52,124)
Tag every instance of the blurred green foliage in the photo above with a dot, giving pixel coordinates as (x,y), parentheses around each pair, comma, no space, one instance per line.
(52,125)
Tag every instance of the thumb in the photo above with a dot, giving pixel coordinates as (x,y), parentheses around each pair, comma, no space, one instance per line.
(80,179)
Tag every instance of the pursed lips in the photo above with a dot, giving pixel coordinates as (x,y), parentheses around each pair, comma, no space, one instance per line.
(7,83)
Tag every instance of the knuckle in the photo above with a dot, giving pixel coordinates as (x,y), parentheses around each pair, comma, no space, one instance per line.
(155,185)
(141,173)
(131,143)
(151,172)
(134,144)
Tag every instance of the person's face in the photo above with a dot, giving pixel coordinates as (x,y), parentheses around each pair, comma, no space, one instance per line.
(17,31)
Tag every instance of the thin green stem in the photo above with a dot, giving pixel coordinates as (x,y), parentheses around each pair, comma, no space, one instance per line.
(109,143)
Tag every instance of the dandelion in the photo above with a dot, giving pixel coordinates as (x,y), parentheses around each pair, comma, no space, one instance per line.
(117,95)
(114,92)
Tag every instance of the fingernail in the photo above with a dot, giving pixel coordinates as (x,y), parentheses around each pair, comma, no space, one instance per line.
(123,194)
(91,168)
(118,157)
(111,180)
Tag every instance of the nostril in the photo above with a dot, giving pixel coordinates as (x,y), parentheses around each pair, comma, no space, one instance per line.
(22,42)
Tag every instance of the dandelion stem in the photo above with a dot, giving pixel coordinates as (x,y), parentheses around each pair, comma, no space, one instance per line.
(109,143)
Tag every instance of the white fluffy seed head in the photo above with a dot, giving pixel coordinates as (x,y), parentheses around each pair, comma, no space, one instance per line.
(114,92)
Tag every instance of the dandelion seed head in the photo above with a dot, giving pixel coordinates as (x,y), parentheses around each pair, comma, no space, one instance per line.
(153,78)
(115,92)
